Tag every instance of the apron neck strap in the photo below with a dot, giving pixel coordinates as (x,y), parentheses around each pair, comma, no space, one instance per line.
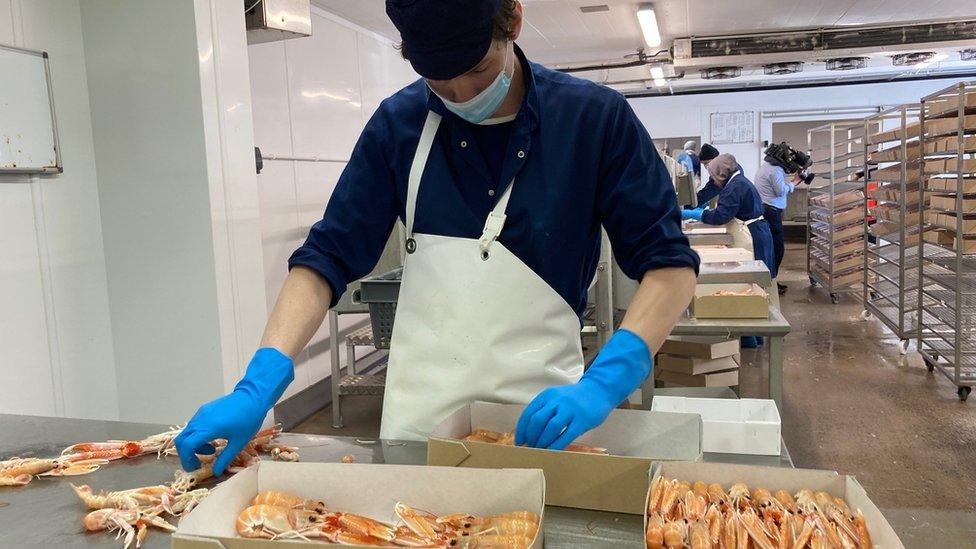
(496,219)
(417,167)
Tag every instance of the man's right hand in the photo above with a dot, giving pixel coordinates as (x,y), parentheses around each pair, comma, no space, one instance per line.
(237,416)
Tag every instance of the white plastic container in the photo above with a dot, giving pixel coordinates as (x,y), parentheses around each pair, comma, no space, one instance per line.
(731,426)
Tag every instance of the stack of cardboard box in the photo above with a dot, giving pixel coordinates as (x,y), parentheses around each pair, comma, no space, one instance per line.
(698,361)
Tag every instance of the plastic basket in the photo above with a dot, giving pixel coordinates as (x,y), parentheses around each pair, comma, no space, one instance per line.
(381,293)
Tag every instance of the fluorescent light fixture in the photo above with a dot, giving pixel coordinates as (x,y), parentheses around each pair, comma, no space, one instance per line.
(935,59)
(657,74)
(648,24)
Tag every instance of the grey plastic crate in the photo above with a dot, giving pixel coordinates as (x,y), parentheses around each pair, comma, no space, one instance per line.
(381,293)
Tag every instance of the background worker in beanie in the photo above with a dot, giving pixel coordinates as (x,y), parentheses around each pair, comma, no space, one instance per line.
(709,190)
(504,173)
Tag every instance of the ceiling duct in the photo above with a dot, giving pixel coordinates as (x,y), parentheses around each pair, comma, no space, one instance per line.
(913,58)
(968,54)
(595,9)
(790,67)
(721,73)
(810,45)
(846,63)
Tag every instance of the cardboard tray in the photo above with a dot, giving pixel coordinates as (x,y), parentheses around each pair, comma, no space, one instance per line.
(951,184)
(731,426)
(791,480)
(707,305)
(370,490)
(727,378)
(706,347)
(722,254)
(948,203)
(615,483)
(695,366)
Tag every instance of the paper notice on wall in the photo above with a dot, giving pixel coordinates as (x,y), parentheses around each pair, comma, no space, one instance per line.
(733,127)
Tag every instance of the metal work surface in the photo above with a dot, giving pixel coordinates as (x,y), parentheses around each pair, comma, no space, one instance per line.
(46,513)
(774,328)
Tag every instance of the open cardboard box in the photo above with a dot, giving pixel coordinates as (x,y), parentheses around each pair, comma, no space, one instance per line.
(363,489)
(694,366)
(615,482)
(791,480)
(706,304)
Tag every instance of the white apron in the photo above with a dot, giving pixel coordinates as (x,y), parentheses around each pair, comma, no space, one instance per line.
(473,322)
(741,237)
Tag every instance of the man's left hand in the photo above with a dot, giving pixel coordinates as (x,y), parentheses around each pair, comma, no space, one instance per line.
(558,415)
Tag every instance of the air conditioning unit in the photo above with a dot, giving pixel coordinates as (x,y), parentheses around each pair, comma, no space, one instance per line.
(791,67)
(274,20)
(721,73)
(846,63)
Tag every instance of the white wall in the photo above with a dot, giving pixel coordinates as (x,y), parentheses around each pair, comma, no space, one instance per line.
(170,105)
(312,97)
(690,114)
(56,352)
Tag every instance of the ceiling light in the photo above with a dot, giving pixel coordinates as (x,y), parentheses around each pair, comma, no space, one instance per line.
(968,54)
(648,24)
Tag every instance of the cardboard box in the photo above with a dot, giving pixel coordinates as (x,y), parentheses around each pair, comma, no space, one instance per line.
(722,254)
(894,153)
(966,245)
(731,426)
(840,199)
(948,203)
(840,233)
(706,304)
(613,482)
(839,218)
(950,144)
(791,480)
(705,347)
(942,237)
(952,184)
(728,378)
(364,489)
(893,173)
(694,366)
(950,221)
(946,126)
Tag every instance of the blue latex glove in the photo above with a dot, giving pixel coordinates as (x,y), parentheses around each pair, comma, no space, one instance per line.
(237,416)
(695,214)
(558,415)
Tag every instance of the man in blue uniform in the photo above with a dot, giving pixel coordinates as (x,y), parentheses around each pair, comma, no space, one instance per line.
(504,173)
(740,200)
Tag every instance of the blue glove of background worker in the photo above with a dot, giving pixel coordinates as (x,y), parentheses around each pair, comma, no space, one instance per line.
(558,415)
(237,416)
(695,214)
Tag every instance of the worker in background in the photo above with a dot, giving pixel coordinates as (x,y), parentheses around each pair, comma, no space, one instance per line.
(738,199)
(689,159)
(773,187)
(709,190)
(503,199)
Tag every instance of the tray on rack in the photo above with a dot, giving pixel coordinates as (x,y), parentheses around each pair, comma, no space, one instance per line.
(948,203)
(946,126)
(840,264)
(951,144)
(893,174)
(892,214)
(839,280)
(843,233)
(949,106)
(894,154)
(840,248)
(839,219)
(891,192)
(951,184)
(839,200)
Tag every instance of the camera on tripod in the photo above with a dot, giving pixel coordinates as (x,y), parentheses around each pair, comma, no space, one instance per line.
(791,160)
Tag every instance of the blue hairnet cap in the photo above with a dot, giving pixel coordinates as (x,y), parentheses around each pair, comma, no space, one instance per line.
(443,38)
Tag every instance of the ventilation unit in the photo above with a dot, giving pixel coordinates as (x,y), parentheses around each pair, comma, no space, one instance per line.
(595,9)
(721,73)
(913,58)
(846,63)
(791,67)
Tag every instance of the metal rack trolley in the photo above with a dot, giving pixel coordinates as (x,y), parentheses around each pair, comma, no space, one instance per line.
(891,161)
(836,212)
(947,250)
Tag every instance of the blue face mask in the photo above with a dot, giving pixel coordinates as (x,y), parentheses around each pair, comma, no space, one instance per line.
(477,109)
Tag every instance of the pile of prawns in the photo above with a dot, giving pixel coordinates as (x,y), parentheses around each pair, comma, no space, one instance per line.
(280,515)
(704,516)
(131,512)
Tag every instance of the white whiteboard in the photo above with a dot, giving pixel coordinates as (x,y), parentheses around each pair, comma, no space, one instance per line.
(733,127)
(28,134)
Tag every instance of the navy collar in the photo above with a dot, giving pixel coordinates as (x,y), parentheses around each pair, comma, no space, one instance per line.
(530,103)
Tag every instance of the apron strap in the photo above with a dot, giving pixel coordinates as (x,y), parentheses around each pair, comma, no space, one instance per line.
(417,171)
(751,221)
(495,222)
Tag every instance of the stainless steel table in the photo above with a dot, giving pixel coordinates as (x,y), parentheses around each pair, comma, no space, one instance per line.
(46,513)
(774,329)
